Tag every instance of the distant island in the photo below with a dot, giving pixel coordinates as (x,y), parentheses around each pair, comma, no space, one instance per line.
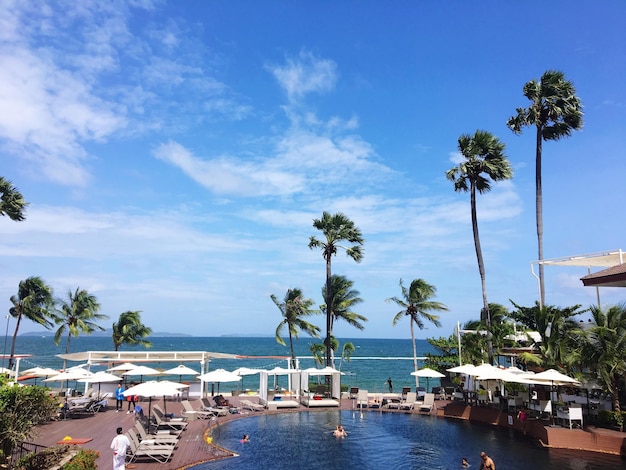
(161,334)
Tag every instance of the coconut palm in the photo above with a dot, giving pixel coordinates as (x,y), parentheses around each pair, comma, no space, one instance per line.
(34,301)
(336,229)
(343,299)
(555,111)
(294,307)
(416,304)
(603,348)
(130,330)
(484,162)
(346,353)
(12,202)
(77,314)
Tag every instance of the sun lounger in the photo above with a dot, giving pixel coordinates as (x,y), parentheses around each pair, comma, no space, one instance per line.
(161,453)
(168,417)
(248,405)
(409,402)
(206,406)
(159,437)
(362,400)
(429,403)
(162,423)
(189,410)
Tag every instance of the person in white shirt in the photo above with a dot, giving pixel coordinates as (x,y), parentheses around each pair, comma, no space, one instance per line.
(119,445)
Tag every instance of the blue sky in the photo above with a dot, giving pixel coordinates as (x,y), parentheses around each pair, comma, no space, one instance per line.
(175,154)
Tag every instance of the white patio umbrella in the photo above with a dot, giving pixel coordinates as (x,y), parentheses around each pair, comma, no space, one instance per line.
(242,371)
(100,378)
(153,388)
(180,370)
(141,371)
(41,371)
(218,376)
(428,374)
(68,375)
(464,369)
(123,367)
(555,377)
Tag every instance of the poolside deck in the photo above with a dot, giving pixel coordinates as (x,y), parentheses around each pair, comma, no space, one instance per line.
(99,430)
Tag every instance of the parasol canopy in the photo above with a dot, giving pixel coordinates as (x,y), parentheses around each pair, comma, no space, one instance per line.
(153,388)
(428,374)
(123,367)
(100,378)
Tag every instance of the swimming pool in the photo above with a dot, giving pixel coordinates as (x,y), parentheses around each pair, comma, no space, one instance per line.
(385,441)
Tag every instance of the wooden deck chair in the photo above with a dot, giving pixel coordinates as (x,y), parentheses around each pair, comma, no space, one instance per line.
(429,403)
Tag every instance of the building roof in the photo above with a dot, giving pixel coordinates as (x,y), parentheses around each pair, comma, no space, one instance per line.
(614,276)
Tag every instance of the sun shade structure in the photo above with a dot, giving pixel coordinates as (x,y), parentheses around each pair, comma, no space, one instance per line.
(100,378)
(123,367)
(151,389)
(602,259)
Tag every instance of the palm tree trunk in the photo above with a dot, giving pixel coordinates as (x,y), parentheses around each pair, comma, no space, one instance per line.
(67,350)
(293,354)
(417,379)
(329,312)
(17,327)
(539,214)
(486,316)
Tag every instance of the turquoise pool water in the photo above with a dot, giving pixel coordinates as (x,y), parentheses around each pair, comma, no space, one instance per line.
(385,441)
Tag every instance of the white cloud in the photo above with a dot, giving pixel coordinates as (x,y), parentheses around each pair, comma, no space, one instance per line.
(306,74)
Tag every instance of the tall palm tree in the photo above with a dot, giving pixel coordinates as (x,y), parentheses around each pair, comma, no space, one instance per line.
(484,162)
(34,301)
(130,330)
(336,229)
(294,307)
(416,304)
(555,111)
(343,299)
(77,314)
(603,350)
(12,202)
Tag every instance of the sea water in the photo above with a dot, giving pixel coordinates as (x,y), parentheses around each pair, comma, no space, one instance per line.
(373,362)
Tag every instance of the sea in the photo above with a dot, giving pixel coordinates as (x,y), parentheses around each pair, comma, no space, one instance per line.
(372,364)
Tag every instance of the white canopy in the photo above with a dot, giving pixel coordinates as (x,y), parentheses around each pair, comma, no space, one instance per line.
(220,375)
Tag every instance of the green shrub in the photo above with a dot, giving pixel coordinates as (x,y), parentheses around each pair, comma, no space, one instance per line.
(47,458)
(611,419)
(84,460)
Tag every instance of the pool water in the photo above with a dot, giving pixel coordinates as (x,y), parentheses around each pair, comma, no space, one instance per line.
(385,441)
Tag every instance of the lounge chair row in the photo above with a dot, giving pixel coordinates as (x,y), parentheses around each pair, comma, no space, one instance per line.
(158,445)
(409,402)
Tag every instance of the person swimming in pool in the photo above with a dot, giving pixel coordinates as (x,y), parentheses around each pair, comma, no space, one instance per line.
(246,438)
(340,431)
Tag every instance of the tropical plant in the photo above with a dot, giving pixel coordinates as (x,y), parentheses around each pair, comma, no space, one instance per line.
(416,304)
(336,229)
(558,330)
(21,409)
(500,330)
(555,111)
(484,162)
(603,349)
(33,302)
(129,330)
(293,308)
(77,314)
(12,202)
(343,299)
(346,353)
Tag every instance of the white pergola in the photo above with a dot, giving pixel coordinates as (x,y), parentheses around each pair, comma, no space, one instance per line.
(603,259)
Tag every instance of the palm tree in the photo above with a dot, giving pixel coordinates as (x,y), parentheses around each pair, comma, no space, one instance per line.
(34,302)
(293,308)
(130,330)
(12,202)
(346,353)
(558,330)
(76,315)
(484,162)
(336,228)
(416,305)
(555,111)
(344,298)
(604,346)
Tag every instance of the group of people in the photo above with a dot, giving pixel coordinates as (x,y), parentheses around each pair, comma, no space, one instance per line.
(119,400)
(486,462)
